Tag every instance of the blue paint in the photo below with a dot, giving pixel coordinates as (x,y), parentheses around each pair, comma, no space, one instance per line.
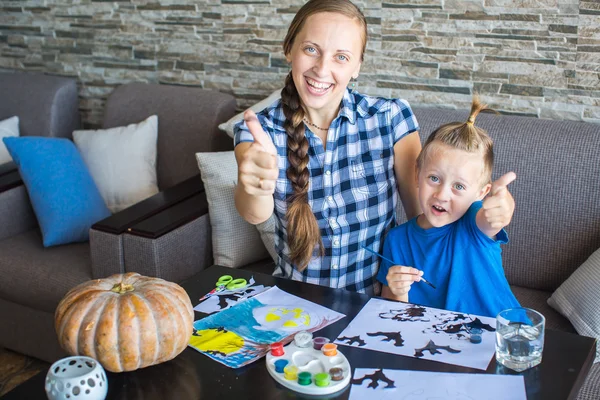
(280,365)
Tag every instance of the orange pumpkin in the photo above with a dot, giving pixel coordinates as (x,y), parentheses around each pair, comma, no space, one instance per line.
(126,321)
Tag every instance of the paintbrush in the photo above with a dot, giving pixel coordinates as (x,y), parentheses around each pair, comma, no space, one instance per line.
(393,263)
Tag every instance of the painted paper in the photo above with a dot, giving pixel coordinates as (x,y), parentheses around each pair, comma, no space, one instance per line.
(391,384)
(421,332)
(242,333)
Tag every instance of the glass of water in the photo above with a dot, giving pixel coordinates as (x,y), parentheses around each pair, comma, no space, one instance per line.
(519,338)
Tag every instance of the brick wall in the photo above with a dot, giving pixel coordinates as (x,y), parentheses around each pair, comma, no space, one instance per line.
(527,57)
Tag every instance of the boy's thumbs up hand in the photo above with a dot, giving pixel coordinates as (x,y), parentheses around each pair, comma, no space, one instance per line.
(501,183)
(499,206)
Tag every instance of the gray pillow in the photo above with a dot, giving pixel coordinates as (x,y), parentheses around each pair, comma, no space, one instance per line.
(235,242)
(578,299)
(261,105)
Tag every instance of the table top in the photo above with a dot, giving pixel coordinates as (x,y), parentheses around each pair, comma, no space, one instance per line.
(192,375)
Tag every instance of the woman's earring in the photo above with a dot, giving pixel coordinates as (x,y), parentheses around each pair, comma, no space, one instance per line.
(353,84)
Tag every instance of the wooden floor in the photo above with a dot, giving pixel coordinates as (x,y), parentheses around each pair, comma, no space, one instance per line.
(16,368)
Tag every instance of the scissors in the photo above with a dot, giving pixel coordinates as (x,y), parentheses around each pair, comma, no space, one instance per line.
(227,281)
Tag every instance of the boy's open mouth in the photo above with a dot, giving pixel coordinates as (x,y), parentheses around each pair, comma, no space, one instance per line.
(438,209)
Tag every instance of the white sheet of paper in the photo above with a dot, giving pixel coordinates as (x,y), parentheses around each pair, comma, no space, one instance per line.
(369,384)
(401,328)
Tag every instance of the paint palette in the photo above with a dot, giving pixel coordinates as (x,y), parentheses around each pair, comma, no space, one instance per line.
(309,366)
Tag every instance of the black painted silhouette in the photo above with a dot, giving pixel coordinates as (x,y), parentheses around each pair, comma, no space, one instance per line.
(478,324)
(389,336)
(216,353)
(450,329)
(412,313)
(234,297)
(213,352)
(375,378)
(352,339)
(433,348)
(457,329)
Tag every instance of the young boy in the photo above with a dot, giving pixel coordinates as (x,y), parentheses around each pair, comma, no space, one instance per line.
(455,243)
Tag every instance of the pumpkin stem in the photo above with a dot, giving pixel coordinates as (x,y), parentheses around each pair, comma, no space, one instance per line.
(122,288)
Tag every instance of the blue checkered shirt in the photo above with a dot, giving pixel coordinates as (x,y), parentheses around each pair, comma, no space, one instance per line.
(352,188)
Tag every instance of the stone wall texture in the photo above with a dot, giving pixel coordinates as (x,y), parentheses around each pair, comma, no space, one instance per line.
(525,57)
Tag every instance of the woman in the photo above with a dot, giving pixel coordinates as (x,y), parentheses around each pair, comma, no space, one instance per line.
(328,161)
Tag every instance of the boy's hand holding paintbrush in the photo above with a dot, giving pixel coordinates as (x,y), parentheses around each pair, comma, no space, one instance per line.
(399,279)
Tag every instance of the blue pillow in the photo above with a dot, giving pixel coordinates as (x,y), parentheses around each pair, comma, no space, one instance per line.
(63,194)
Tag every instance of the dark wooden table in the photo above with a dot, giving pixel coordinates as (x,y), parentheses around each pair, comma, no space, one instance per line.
(192,375)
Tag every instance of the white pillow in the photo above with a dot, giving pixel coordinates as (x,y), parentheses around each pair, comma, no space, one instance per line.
(122,161)
(578,299)
(228,126)
(8,128)
(236,243)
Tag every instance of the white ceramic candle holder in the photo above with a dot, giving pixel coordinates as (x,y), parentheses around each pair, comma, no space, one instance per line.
(76,378)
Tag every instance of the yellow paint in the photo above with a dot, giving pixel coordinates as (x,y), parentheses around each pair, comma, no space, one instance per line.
(281,317)
(272,317)
(214,340)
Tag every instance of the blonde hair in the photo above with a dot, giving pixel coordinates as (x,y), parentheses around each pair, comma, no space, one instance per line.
(464,136)
(303,231)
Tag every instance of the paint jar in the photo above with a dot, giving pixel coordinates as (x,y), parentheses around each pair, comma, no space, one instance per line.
(304,378)
(322,379)
(329,349)
(290,372)
(318,342)
(303,339)
(280,365)
(277,349)
(336,373)
(475,335)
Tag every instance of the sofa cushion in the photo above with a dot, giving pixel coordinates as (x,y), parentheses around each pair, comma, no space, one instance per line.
(261,105)
(591,386)
(8,128)
(235,242)
(578,298)
(28,283)
(46,105)
(122,161)
(63,194)
(188,120)
(537,299)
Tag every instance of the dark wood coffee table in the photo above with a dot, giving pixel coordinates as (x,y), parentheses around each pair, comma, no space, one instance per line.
(192,375)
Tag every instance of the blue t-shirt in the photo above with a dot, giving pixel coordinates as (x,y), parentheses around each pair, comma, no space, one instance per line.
(462,262)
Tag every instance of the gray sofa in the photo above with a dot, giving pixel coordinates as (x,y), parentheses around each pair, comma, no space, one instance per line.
(554,229)
(34,278)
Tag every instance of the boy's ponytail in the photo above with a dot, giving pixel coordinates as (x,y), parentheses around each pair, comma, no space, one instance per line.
(477,107)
